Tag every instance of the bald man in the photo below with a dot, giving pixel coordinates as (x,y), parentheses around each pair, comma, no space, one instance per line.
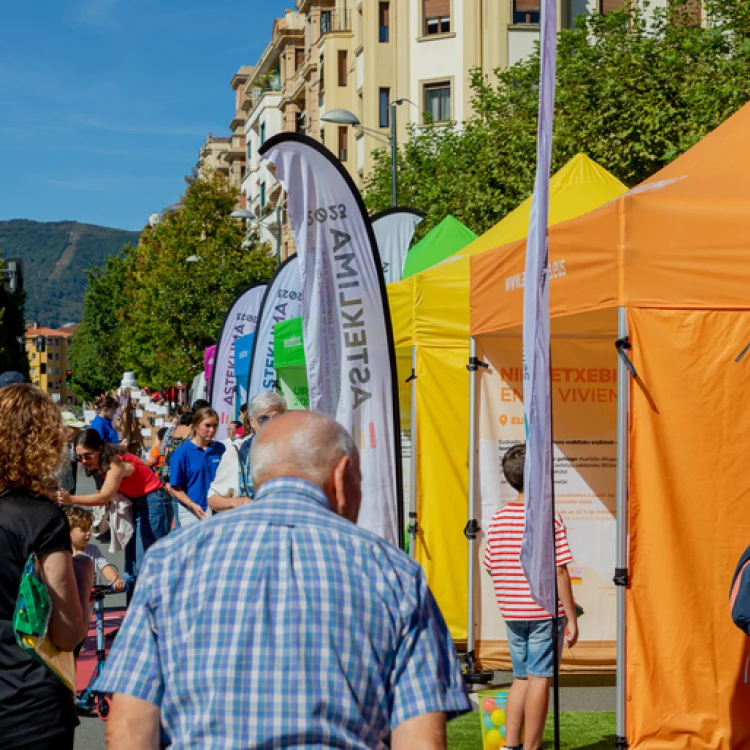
(282,624)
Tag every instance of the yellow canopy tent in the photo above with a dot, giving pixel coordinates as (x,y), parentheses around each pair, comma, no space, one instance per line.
(430,315)
(666,265)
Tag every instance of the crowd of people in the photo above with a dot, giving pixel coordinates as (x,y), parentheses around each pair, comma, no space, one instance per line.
(278,624)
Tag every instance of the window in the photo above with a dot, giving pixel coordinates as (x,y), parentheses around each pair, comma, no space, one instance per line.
(262,194)
(437,16)
(383,11)
(299,57)
(43,368)
(527,11)
(325,22)
(605,6)
(384,100)
(343,65)
(343,142)
(262,133)
(299,122)
(437,102)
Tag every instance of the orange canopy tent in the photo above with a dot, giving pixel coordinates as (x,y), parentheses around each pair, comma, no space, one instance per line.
(668,266)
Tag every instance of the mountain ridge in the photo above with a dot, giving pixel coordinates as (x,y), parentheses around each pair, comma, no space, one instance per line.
(55,255)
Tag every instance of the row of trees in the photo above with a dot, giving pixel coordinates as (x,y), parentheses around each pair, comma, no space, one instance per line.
(635,89)
(150,311)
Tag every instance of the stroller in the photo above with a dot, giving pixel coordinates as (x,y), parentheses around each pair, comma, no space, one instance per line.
(89,700)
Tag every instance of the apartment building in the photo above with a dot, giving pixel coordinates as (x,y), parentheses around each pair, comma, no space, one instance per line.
(49,366)
(211,156)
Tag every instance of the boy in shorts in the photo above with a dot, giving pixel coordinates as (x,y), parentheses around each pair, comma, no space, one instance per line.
(529,626)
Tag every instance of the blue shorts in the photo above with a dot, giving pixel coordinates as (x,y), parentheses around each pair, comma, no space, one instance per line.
(530,643)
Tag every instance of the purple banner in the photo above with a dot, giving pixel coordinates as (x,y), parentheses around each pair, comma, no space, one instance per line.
(538,547)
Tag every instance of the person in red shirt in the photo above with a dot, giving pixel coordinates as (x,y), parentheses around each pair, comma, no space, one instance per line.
(127,474)
(529,627)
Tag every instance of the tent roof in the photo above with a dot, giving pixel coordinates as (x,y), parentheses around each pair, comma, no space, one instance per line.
(678,240)
(442,241)
(432,308)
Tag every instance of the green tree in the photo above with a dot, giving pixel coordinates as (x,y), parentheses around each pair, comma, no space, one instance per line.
(95,358)
(174,309)
(634,90)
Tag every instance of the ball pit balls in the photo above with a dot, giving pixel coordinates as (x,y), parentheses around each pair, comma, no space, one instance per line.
(502,731)
(493,738)
(502,699)
(489,705)
(498,717)
(488,723)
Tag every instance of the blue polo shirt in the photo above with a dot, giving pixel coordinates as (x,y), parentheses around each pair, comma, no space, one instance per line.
(105,429)
(192,469)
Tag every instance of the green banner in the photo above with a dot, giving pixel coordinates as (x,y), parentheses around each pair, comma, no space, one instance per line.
(289,362)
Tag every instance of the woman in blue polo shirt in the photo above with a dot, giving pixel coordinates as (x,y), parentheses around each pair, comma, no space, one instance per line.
(102,422)
(193,467)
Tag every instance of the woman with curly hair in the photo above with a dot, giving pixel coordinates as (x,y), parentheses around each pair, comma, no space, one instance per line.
(127,474)
(36,709)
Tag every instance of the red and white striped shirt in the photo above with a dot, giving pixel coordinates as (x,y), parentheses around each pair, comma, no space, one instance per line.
(502,558)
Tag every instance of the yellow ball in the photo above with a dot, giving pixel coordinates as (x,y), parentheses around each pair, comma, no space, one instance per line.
(498,717)
(493,738)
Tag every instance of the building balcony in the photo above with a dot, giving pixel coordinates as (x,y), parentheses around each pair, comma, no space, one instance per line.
(333,21)
(238,121)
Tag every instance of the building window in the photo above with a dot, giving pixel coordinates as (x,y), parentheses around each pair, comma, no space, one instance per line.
(299,57)
(437,16)
(262,133)
(383,24)
(325,22)
(527,11)
(343,142)
(299,122)
(343,65)
(437,102)
(384,100)
(262,194)
(607,6)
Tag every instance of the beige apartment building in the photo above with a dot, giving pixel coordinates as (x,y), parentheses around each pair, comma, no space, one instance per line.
(211,156)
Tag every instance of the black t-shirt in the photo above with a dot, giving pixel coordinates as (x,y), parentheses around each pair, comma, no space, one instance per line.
(34,704)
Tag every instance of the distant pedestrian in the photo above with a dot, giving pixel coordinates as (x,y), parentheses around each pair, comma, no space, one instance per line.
(283,624)
(103,423)
(529,627)
(11,377)
(193,467)
(69,472)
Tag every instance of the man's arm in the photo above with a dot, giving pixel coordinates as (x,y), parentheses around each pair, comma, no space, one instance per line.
(565,592)
(218,503)
(425,732)
(133,723)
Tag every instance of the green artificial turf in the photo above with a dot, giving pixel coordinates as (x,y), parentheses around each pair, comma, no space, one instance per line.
(579,730)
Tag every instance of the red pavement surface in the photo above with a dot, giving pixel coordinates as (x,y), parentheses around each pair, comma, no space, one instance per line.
(87,658)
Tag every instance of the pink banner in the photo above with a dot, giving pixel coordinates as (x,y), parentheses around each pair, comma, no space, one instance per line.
(208,361)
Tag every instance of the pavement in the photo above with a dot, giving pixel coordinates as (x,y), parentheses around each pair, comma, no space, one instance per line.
(577,692)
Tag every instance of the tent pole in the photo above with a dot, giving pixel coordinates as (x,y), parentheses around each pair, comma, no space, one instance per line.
(413,526)
(471,536)
(621,551)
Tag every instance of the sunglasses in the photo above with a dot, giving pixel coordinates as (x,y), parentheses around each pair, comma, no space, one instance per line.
(84,456)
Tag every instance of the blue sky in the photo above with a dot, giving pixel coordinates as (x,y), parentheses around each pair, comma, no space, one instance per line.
(105,103)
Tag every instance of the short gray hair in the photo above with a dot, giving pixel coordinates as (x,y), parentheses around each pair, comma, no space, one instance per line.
(309,452)
(264,401)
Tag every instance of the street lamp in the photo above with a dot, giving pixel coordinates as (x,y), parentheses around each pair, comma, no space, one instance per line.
(345,117)
(249,216)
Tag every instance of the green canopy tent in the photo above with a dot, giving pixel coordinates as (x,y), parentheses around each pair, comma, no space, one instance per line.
(442,241)
(289,362)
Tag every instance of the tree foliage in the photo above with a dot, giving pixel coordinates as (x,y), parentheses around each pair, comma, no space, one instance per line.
(634,90)
(12,330)
(153,312)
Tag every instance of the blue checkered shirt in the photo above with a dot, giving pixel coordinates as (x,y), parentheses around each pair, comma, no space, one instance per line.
(280,624)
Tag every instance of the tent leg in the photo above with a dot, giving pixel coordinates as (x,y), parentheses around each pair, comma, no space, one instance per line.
(621,552)
(413,525)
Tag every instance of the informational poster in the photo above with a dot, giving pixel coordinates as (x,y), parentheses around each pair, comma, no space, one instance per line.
(584,405)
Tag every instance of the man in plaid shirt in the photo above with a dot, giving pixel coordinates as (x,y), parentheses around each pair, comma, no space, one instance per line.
(282,624)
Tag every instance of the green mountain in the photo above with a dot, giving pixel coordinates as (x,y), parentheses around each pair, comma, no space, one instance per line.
(54,256)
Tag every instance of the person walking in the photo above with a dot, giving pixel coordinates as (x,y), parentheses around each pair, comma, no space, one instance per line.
(69,471)
(127,474)
(36,709)
(283,624)
(193,467)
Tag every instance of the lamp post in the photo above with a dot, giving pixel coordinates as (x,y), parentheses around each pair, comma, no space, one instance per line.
(345,117)
(249,216)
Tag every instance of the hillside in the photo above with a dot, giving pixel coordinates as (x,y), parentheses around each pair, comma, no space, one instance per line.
(55,255)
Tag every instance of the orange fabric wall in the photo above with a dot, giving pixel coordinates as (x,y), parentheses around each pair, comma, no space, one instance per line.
(689,523)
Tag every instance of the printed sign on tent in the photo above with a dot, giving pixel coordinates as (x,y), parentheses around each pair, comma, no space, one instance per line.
(347,333)
(394,229)
(282,301)
(243,348)
(239,321)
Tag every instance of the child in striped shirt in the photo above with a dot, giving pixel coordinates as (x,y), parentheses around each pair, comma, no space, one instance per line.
(529,626)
